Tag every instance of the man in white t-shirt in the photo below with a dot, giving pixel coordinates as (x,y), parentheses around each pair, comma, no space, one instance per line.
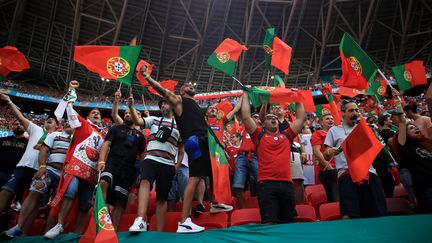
(357,200)
(159,163)
(45,181)
(28,165)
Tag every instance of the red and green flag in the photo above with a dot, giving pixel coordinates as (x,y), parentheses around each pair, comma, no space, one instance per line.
(110,62)
(133,41)
(11,60)
(220,170)
(357,67)
(349,92)
(322,109)
(232,126)
(281,55)
(360,149)
(410,75)
(307,99)
(226,55)
(278,82)
(223,108)
(261,95)
(167,84)
(148,68)
(377,89)
(100,229)
(332,107)
(267,45)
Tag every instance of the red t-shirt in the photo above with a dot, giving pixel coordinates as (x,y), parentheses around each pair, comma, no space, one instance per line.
(232,153)
(217,126)
(318,138)
(274,156)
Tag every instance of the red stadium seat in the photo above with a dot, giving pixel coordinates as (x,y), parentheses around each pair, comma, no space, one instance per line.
(313,188)
(318,198)
(131,208)
(251,202)
(211,221)
(37,227)
(245,216)
(329,211)
(171,222)
(126,221)
(305,213)
(400,191)
(398,206)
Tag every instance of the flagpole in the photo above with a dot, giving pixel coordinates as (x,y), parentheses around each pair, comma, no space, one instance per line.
(238,81)
(376,97)
(268,76)
(384,77)
(142,97)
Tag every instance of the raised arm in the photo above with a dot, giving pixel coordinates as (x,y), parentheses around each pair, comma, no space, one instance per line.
(402,136)
(246,114)
(428,97)
(168,95)
(137,120)
(15,110)
(115,108)
(231,114)
(300,118)
(263,112)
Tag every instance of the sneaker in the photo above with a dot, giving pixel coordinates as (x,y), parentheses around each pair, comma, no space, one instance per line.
(188,227)
(16,206)
(13,232)
(54,232)
(139,225)
(198,209)
(220,207)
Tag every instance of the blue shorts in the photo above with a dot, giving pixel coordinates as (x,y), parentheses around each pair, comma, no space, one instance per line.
(179,183)
(85,190)
(20,178)
(242,169)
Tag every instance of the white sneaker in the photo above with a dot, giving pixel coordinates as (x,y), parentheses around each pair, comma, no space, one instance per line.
(220,207)
(189,227)
(139,225)
(54,232)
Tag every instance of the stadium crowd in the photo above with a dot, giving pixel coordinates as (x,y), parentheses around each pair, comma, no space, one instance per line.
(148,165)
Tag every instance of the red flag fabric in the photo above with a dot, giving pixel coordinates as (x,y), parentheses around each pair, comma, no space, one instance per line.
(167,84)
(281,55)
(360,149)
(305,96)
(12,60)
(418,72)
(139,76)
(351,76)
(333,104)
(349,92)
(224,107)
(89,235)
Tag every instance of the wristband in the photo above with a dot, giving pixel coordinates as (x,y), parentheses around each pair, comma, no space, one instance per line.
(42,166)
(101,162)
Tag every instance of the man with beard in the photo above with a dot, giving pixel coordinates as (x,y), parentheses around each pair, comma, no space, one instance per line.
(159,163)
(80,172)
(52,154)
(122,145)
(28,165)
(12,148)
(193,130)
(357,200)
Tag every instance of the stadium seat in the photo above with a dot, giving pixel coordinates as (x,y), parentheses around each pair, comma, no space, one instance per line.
(171,222)
(329,211)
(245,216)
(400,191)
(211,221)
(126,221)
(37,227)
(305,213)
(313,188)
(131,208)
(317,198)
(251,202)
(398,206)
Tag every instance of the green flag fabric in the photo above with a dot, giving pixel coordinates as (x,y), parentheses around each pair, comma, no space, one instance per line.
(267,45)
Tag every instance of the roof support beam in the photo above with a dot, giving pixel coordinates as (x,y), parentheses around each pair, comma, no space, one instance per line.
(405,30)
(190,20)
(366,21)
(48,37)
(16,22)
(290,18)
(120,22)
(246,39)
(345,21)
(74,39)
(165,35)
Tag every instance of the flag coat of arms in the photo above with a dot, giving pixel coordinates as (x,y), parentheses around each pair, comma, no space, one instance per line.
(110,62)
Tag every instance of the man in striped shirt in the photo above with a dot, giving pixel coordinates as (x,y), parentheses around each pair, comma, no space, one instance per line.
(159,163)
(52,155)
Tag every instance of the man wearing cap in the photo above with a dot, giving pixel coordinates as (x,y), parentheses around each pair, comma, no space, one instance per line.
(28,165)
(159,163)
(193,130)
(276,195)
(123,143)
(52,154)
(357,200)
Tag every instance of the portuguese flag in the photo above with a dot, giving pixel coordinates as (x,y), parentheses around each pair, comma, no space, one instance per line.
(377,88)
(307,99)
(167,84)
(278,82)
(139,76)
(332,107)
(410,75)
(100,228)
(357,67)
(11,60)
(225,57)
(223,107)
(110,62)
(261,95)
(267,45)
(220,170)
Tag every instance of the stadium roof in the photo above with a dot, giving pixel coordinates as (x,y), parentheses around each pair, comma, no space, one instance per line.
(179,35)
